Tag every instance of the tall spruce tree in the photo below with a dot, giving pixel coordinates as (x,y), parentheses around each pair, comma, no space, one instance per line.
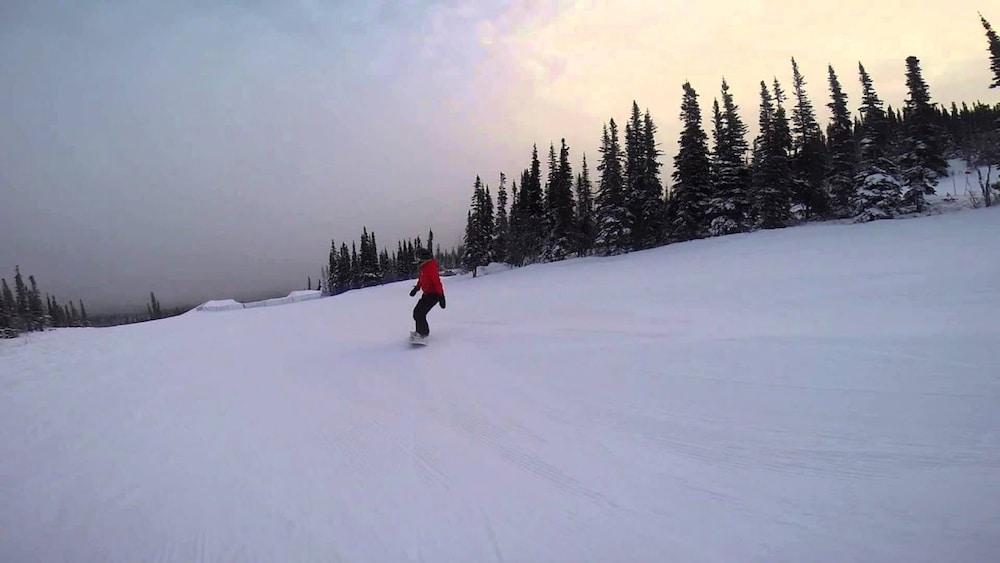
(23,305)
(479,229)
(502,236)
(6,310)
(613,218)
(633,174)
(584,209)
(922,161)
(561,239)
(730,176)
(692,189)
(771,172)
(643,193)
(648,230)
(877,181)
(808,152)
(35,307)
(332,262)
(842,164)
(531,212)
(994,48)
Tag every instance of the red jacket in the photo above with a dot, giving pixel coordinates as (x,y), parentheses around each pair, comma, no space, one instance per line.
(429,281)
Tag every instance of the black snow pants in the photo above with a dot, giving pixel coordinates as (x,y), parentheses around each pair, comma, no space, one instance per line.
(426,303)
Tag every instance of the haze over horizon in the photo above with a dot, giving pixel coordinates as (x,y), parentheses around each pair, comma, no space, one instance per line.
(213,151)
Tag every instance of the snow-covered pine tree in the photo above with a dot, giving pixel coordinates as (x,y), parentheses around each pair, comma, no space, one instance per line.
(922,161)
(994,48)
(808,153)
(331,281)
(643,193)
(692,189)
(502,227)
(23,305)
(612,224)
(842,163)
(478,229)
(514,256)
(35,307)
(584,209)
(355,266)
(345,270)
(530,213)
(651,211)
(771,173)
(561,238)
(84,321)
(6,311)
(633,162)
(877,182)
(730,175)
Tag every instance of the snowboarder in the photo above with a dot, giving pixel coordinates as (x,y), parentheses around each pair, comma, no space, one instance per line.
(433,294)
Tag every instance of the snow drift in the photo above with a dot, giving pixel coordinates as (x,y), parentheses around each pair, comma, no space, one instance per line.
(232,304)
(823,393)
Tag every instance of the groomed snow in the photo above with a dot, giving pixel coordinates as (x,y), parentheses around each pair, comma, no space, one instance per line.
(823,393)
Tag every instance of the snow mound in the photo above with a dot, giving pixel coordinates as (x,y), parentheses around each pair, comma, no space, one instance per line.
(220,305)
(493,268)
(231,304)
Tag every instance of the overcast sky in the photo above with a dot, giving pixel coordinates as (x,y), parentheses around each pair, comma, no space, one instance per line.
(208,150)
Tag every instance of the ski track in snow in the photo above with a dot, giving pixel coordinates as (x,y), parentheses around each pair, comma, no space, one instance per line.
(822,393)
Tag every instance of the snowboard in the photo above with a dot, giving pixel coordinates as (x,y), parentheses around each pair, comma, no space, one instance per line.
(417,340)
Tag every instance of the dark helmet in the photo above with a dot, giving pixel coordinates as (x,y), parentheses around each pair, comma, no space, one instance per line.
(424,254)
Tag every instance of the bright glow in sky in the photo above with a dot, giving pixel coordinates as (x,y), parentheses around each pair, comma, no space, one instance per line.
(208,151)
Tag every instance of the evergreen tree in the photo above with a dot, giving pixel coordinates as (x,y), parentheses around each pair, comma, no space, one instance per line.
(648,228)
(35,308)
(634,160)
(154,310)
(922,161)
(501,248)
(994,48)
(808,152)
(6,310)
(613,219)
(562,236)
(771,173)
(84,321)
(877,183)
(692,187)
(74,315)
(345,271)
(478,229)
(843,153)
(332,263)
(532,212)
(584,209)
(730,176)
(55,311)
(355,267)
(23,306)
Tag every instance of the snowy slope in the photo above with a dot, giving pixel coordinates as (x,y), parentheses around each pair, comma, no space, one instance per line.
(824,393)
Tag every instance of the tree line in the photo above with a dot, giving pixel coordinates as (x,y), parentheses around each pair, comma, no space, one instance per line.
(876,165)
(364,265)
(23,310)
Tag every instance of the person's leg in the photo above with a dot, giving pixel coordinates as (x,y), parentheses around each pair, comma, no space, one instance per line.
(423,306)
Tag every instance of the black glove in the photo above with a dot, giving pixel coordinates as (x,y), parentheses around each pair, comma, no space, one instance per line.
(414,290)
(442,301)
